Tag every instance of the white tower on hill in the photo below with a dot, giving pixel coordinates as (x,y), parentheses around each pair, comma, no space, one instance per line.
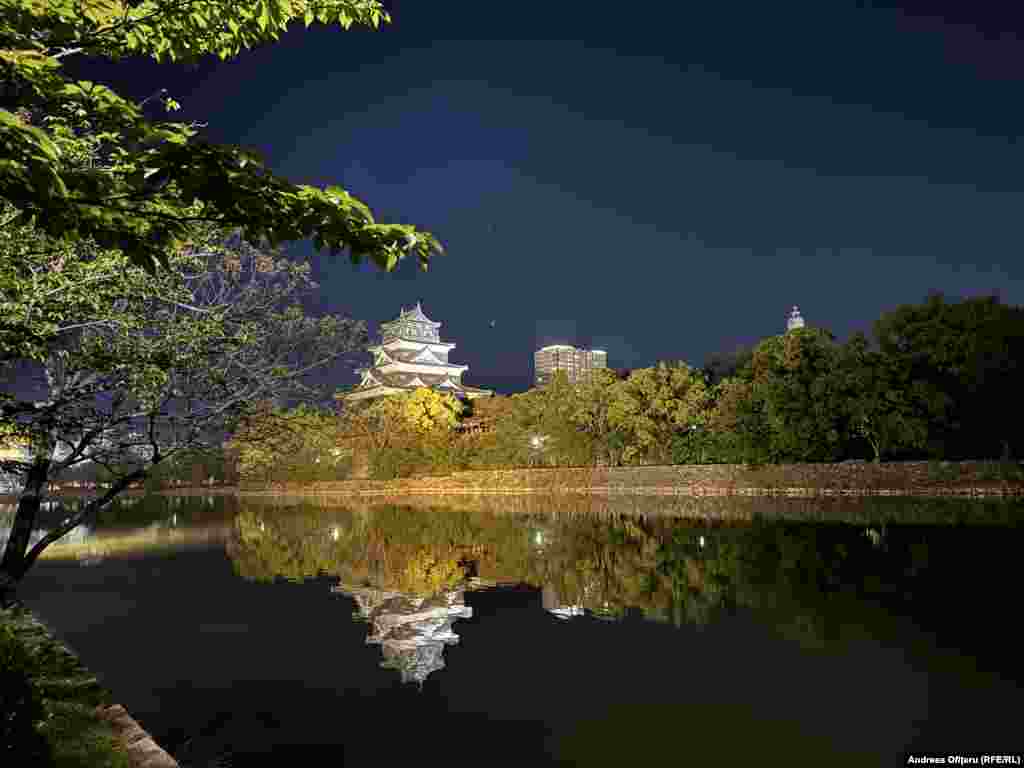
(795,320)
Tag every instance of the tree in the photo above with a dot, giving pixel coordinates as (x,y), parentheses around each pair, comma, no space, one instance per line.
(548,417)
(156,178)
(407,431)
(591,413)
(384,420)
(507,442)
(655,404)
(792,377)
(739,430)
(426,410)
(139,364)
(297,444)
(531,428)
(179,358)
(884,407)
(966,355)
(722,365)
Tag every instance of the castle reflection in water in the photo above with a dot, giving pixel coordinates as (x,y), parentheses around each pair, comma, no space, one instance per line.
(411,630)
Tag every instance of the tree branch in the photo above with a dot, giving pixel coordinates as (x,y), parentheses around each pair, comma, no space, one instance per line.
(74,521)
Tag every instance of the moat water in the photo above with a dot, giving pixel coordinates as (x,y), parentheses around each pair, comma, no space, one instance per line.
(375,635)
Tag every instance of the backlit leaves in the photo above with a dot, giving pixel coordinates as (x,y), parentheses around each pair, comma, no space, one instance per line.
(156,177)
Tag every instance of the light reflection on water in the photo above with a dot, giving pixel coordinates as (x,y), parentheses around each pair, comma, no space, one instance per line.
(130,525)
(887,619)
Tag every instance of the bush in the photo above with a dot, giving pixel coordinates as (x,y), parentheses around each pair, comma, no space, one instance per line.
(48,704)
(21,708)
(943,471)
(1005,471)
(395,462)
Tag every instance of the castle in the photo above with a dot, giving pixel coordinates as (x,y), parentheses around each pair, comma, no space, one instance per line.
(411,355)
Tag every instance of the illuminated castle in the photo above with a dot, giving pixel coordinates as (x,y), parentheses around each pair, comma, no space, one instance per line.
(412,355)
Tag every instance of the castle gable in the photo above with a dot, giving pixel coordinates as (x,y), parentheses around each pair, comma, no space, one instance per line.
(426,355)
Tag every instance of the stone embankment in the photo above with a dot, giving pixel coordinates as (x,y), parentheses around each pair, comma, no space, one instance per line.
(142,751)
(715,511)
(920,478)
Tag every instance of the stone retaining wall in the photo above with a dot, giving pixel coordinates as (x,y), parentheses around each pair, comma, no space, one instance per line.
(707,510)
(844,479)
(142,751)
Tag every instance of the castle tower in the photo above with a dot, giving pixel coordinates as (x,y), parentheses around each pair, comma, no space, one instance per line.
(795,320)
(411,355)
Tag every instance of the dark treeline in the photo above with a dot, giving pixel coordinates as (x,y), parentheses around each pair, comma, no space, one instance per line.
(935,380)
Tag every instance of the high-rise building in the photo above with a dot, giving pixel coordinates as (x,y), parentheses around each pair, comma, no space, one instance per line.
(577,363)
(412,355)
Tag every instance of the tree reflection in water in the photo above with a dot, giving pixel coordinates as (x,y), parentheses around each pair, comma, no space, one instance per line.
(408,568)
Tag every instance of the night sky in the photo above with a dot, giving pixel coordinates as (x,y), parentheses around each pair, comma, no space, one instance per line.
(660,180)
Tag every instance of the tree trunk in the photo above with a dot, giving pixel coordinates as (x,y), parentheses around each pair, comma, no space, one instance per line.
(877,445)
(13,566)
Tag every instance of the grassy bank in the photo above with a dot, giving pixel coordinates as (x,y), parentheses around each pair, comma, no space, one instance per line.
(48,702)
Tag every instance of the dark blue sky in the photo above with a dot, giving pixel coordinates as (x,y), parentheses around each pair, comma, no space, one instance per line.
(660,180)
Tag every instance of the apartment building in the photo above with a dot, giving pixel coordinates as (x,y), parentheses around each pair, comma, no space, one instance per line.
(577,363)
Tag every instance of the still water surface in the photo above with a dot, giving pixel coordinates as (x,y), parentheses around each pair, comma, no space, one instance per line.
(367,634)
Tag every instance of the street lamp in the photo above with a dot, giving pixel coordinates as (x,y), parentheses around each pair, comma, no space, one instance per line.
(537,446)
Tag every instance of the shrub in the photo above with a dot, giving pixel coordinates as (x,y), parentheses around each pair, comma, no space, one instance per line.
(21,708)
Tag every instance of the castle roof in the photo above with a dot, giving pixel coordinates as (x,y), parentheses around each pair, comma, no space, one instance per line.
(411,380)
(415,314)
(423,354)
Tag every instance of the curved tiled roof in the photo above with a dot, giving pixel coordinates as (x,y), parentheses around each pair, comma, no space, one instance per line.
(407,379)
(410,355)
(416,313)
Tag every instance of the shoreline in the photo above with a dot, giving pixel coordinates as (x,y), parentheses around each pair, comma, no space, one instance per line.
(700,492)
(919,479)
(846,479)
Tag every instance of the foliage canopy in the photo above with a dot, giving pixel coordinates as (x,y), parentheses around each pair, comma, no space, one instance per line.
(154,178)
